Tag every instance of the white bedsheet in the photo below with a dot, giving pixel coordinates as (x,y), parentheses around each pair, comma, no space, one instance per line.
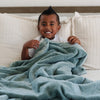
(92,74)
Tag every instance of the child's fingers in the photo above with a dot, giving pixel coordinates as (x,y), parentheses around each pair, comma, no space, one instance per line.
(35,44)
(35,47)
(70,38)
(74,40)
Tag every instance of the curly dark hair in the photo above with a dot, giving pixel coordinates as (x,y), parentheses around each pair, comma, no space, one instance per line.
(49,11)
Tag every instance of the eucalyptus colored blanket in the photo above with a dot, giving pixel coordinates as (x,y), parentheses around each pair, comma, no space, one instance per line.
(52,74)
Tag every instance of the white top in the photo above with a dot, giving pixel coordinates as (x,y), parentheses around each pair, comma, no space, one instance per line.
(40,38)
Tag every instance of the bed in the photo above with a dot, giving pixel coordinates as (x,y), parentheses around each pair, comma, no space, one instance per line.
(19,24)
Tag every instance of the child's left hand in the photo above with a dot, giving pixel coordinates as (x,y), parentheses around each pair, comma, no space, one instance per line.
(73,39)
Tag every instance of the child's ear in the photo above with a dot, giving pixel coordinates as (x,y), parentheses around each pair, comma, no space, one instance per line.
(59,27)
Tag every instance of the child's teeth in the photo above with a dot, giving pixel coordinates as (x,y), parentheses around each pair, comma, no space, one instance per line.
(48,32)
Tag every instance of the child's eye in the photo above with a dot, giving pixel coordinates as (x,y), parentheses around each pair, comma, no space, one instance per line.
(51,24)
(43,24)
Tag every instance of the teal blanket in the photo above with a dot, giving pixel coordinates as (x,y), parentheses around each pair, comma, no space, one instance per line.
(52,74)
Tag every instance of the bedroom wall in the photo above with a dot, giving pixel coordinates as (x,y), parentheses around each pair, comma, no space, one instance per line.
(7,3)
(38,3)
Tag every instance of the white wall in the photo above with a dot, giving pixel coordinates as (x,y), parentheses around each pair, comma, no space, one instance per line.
(7,3)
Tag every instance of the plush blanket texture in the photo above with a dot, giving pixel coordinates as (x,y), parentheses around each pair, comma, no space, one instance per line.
(52,74)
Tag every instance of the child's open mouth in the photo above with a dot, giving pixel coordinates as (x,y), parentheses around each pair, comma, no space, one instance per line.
(48,32)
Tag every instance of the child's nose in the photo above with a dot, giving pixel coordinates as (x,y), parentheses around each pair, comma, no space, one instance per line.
(48,27)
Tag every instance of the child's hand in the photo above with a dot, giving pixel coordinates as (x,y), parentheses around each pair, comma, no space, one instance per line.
(73,39)
(32,44)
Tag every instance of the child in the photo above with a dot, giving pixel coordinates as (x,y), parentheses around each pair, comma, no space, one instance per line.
(48,26)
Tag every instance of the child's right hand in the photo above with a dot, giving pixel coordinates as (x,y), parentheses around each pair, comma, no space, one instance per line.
(32,44)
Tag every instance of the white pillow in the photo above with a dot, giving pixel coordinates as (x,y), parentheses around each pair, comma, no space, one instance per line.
(65,30)
(16,30)
(87,29)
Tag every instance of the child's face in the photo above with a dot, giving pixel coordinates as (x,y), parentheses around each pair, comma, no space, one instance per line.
(48,26)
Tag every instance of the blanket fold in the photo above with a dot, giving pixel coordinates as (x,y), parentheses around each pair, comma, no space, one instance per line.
(52,74)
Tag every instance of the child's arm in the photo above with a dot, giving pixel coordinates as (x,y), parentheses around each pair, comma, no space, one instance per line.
(30,44)
(73,39)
